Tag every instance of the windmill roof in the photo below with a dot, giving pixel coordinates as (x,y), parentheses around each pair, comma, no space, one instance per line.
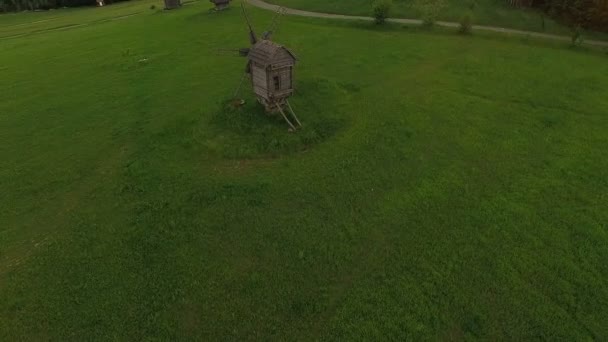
(265,51)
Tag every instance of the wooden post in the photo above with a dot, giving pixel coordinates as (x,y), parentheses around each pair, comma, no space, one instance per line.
(285,117)
(238,90)
(293,113)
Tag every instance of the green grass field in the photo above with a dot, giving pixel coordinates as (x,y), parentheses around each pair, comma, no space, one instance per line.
(484,12)
(443,187)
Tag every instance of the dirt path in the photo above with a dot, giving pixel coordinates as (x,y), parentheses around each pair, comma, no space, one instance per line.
(291,11)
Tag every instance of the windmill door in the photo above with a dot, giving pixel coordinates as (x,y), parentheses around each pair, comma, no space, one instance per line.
(281,80)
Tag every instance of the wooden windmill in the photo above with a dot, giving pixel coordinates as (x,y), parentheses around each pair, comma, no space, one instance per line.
(220,5)
(270,67)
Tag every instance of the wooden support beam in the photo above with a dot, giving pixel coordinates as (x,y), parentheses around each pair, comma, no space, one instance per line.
(293,113)
(285,117)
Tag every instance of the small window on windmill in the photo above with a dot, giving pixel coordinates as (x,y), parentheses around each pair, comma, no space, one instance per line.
(277,82)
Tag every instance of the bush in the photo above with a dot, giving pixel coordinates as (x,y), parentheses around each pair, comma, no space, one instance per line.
(381,9)
(429,10)
(577,36)
(466,24)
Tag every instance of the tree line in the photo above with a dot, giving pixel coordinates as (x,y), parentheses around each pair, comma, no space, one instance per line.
(589,14)
(31,5)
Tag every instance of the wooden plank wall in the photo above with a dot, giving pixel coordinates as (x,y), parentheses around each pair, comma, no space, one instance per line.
(259,80)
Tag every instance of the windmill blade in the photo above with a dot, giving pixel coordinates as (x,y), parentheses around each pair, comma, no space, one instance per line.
(227,52)
(274,23)
(242,52)
(252,37)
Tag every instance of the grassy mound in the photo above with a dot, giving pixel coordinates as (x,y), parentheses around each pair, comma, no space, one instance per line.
(246,131)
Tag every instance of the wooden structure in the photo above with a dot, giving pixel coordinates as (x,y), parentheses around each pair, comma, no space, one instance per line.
(220,4)
(271,70)
(172,4)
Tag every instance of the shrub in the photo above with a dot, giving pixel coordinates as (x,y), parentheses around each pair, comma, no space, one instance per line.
(153,7)
(381,9)
(466,24)
(577,36)
(429,10)
(542,21)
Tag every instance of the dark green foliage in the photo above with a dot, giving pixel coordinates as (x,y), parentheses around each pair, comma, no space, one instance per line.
(591,14)
(381,10)
(466,24)
(75,3)
(30,5)
(543,23)
(486,12)
(430,10)
(577,36)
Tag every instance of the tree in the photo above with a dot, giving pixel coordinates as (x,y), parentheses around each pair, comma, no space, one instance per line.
(466,24)
(381,10)
(588,14)
(429,10)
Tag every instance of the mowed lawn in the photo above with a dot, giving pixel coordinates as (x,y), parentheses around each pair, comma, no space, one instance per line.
(443,187)
(14,25)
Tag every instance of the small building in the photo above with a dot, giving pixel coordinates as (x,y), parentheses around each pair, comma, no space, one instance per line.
(220,4)
(271,68)
(172,4)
